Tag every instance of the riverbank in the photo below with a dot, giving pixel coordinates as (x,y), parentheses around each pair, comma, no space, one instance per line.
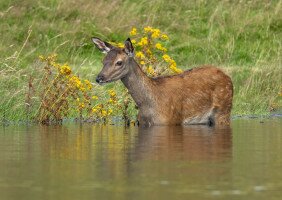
(118,121)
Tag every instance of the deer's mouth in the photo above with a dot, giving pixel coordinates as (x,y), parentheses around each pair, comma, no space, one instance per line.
(104,82)
(101,80)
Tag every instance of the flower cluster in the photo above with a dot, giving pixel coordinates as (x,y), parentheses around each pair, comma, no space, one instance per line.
(65,69)
(160,47)
(156,33)
(172,63)
(133,32)
(151,51)
(143,41)
(103,111)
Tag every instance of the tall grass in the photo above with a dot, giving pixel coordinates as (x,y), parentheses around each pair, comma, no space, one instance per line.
(241,37)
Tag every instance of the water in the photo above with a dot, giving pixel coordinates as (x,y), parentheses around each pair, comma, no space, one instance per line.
(110,162)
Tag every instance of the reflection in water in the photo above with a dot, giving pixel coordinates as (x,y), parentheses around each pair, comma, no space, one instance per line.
(184,143)
(157,143)
(114,162)
(119,154)
(86,142)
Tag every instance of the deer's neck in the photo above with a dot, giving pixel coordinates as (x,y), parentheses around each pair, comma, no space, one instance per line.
(138,84)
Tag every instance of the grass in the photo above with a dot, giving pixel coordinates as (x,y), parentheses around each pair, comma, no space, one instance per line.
(241,37)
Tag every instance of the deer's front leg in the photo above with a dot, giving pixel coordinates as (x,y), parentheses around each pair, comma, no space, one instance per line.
(144,119)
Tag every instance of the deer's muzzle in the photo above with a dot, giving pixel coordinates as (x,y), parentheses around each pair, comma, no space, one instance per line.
(100,79)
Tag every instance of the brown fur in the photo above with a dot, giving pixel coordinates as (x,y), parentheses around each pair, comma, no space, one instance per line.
(202,95)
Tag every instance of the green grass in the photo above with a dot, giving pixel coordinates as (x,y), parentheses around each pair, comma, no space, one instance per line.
(241,37)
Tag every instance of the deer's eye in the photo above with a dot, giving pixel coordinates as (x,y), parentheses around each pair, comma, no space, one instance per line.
(119,63)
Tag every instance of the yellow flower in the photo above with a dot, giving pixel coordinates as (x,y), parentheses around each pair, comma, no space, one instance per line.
(95,97)
(148,29)
(160,47)
(149,52)
(113,43)
(88,84)
(75,81)
(110,111)
(112,93)
(164,37)
(172,62)
(133,41)
(42,58)
(81,88)
(121,45)
(104,113)
(142,62)
(143,41)
(94,110)
(81,105)
(150,70)
(65,69)
(99,106)
(54,64)
(156,33)
(77,99)
(175,69)
(166,58)
(133,31)
(140,55)
(51,57)
(178,71)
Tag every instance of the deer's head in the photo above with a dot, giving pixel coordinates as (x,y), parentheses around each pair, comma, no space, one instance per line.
(116,61)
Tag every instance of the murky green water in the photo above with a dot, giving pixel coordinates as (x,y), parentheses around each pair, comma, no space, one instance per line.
(111,162)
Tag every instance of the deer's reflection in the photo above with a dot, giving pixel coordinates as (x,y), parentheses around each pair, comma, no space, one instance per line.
(184,143)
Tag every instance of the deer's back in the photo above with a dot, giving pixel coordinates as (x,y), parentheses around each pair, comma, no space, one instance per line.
(198,79)
(193,93)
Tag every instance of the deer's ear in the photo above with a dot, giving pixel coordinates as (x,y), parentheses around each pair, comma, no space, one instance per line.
(101,45)
(128,48)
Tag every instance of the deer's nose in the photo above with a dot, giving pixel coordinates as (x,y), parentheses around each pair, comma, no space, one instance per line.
(100,78)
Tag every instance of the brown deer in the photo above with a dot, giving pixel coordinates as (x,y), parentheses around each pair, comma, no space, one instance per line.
(201,95)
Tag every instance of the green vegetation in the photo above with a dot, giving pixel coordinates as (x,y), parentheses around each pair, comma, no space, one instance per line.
(241,37)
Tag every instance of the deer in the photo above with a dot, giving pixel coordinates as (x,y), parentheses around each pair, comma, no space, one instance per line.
(198,96)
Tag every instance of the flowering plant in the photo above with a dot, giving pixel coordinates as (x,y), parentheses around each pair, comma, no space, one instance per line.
(63,92)
(151,51)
